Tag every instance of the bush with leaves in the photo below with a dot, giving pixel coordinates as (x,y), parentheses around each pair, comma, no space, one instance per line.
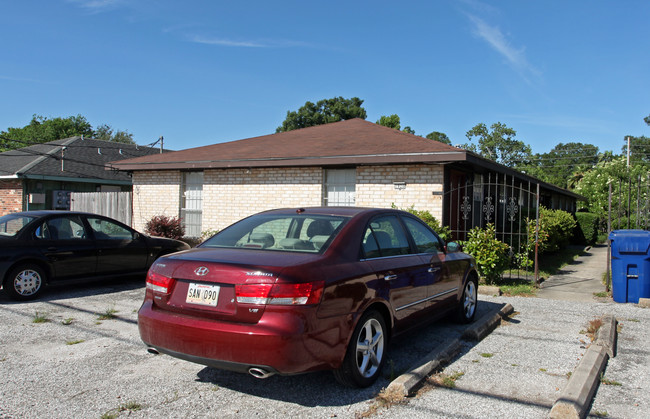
(443,231)
(164,226)
(490,253)
(586,231)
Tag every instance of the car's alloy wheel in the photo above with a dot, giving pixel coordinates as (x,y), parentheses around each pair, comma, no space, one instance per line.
(366,352)
(467,305)
(25,282)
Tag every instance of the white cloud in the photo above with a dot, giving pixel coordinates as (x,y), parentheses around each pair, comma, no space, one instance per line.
(247,44)
(515,57)
(97,6)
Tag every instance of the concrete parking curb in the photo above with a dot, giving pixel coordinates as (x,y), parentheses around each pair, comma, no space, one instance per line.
(406,383)
(484,326)
(579,391)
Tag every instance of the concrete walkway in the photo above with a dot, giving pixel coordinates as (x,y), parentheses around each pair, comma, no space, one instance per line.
(579,280)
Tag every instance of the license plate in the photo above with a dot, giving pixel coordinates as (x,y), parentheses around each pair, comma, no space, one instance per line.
(203,294)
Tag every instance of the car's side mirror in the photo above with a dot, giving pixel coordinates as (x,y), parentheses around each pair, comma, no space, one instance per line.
(453,247)
(136,235)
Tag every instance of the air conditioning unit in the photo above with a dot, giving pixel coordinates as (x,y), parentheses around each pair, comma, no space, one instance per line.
(61,200)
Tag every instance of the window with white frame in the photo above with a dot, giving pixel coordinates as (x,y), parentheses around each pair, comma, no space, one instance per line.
(339,187)
(192,203)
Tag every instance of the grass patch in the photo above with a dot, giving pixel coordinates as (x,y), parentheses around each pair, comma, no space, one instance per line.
(600,413)
(518,287)
(445,380)
(384,400)
(608,382)
(109,314)
(487,355)
(543,369)
(602,294)
(67,322)
(40,318)
(592,329)
(74,342)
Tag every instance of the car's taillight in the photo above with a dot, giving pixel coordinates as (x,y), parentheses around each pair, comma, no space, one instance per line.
(159,283)
(280,294)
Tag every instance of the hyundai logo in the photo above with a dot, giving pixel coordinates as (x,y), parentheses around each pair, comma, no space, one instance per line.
(201,271)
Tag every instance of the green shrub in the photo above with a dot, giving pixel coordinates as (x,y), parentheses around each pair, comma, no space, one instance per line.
(443,231)
(559,226)
(163,226)
(586,231)
(491,254)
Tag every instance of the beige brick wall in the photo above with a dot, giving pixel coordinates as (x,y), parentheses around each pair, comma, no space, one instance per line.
(376,187)
(155,193)
(232,194)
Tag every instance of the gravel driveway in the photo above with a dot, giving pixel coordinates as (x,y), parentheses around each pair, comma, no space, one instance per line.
(78,365)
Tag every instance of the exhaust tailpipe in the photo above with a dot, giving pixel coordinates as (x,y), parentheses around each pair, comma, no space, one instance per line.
(153,351)
(260,373)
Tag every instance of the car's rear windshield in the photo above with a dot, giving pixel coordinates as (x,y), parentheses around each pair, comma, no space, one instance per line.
(280,232)
(11,224)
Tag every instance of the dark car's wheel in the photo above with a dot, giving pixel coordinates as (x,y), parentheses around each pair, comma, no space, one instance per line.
(466,309)
(366,352)
(25,282)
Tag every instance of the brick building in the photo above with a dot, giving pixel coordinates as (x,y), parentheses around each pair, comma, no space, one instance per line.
(352,162)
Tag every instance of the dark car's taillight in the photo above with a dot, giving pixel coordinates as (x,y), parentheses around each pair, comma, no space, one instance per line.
(159,283)
(280,294)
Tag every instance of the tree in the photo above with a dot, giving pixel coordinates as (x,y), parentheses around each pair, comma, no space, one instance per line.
(42,130)
(564,165)
(647,119)
(639,149)
(408,130)
(439,136)
(323,112)
(498,144)
(105,132)
(391,121)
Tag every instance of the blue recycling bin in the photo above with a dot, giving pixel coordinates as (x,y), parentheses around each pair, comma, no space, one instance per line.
(630,265)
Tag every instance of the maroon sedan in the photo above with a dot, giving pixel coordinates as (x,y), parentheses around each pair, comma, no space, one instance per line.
(292,291)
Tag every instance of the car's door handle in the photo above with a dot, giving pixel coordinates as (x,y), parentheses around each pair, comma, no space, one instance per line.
(390,277)
(433,270)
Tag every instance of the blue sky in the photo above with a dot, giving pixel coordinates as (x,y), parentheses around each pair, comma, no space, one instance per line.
(204,72)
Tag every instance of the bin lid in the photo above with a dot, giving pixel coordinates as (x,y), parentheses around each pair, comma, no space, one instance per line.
(631,241)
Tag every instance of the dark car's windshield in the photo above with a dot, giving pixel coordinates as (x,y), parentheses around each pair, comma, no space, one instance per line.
(280,232)
(11,224)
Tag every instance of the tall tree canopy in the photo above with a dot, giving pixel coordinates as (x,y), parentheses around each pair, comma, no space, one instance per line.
(439,136)
(105,132)
(323,112)
(498,144)
(43,130)
(391,121)
(565,164)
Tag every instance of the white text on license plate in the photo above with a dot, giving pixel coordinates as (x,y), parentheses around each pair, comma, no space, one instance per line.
(202,294)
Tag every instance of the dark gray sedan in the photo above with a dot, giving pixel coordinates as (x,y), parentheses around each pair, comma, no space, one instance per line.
(39,247)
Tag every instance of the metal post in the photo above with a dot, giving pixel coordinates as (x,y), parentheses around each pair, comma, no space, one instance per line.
(537,239)
(629,189)
(609,243)
(638,202)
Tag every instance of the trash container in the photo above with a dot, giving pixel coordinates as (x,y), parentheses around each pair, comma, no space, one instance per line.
(630,265)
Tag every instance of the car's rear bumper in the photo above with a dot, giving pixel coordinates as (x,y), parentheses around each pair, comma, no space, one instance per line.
(285,342)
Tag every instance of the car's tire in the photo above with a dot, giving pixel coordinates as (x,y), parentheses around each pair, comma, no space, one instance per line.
(25,282)
(366,352)
(466,309)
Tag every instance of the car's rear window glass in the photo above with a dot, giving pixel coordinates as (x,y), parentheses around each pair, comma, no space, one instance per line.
(284,233)
(11,224)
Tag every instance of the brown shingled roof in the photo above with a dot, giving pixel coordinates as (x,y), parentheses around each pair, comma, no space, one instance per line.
(354,141)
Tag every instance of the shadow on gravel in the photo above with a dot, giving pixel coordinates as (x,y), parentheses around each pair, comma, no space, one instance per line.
(321,389)
(65,291)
